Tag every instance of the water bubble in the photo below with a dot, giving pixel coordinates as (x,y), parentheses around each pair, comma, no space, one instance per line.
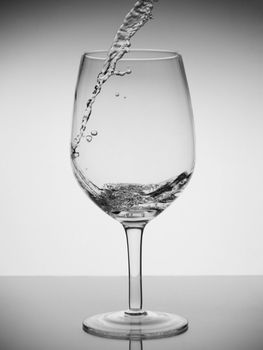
(182,182)
(117,94)
(75,155)
(94,132)
(89,138)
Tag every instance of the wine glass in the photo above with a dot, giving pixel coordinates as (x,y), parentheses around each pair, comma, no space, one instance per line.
(134,157)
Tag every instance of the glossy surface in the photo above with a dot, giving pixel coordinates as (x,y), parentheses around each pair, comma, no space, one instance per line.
(40,313)
(147,325)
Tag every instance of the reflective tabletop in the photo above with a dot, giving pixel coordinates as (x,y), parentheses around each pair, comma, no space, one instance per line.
(46,313)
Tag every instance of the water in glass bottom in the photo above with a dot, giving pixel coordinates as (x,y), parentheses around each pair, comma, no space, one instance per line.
(120,325)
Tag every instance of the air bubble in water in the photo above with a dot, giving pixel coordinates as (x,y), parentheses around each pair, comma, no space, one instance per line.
(117,94)
(94,132)
(89,138)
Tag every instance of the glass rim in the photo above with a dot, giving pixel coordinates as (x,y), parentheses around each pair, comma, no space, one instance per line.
(154,55)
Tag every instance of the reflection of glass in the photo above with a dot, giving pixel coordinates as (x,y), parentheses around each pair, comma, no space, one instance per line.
(135,345)
(133,163)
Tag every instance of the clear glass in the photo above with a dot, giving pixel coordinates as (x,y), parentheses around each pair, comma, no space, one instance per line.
(134,159)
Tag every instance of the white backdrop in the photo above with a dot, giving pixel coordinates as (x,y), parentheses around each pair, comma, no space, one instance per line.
(48,225)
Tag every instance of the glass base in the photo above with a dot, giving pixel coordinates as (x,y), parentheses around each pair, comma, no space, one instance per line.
(149,325)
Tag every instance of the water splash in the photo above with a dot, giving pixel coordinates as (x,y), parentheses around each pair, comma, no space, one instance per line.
(133,200)
(140,14)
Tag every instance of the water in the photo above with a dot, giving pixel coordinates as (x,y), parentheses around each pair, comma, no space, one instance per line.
(140,14)
(125,201)
(133,202)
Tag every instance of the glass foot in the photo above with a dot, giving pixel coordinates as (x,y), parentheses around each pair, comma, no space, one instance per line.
(149,325)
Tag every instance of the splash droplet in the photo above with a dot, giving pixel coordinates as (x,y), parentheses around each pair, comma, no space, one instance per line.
(94,132)
(75,155)
(86,113)
(88,103)
(117,94)
(125,97)
(89,138)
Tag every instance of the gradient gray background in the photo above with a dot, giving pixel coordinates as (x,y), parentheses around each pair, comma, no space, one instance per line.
(48,226)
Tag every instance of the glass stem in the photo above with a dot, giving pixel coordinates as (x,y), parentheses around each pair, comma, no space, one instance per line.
(135,345)
(134,244)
